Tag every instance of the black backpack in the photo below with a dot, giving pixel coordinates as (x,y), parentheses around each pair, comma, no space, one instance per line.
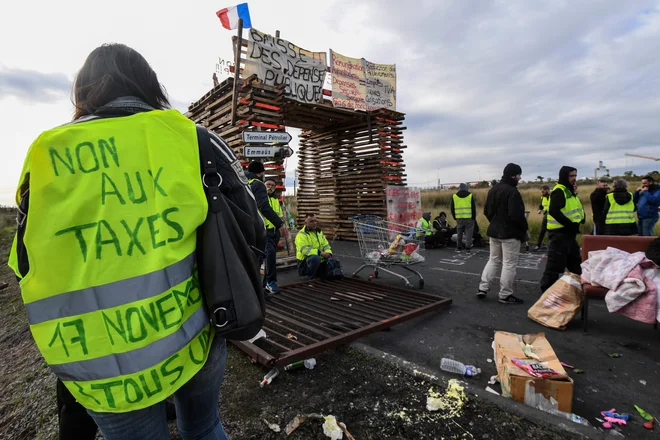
(229,243)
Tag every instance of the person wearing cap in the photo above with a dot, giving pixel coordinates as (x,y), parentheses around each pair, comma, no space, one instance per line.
(598,204)
(565,215)
(505,210)
(464,211)
(275,226)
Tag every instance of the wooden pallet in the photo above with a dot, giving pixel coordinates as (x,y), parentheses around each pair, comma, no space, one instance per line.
(346,158)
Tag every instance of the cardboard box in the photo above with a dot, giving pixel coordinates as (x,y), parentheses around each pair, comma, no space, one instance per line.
(513,379)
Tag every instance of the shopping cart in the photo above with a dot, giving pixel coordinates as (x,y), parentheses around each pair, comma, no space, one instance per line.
(385,244)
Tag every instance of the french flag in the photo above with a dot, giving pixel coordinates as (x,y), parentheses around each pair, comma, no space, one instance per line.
(229,16)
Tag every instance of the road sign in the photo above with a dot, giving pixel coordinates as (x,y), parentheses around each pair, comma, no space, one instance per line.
(260,151)
(266,137)
(287,152)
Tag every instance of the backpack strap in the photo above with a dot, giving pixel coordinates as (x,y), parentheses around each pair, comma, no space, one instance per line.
(211,178)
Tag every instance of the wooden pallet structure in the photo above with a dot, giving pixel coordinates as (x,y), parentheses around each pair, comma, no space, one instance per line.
(346,158)
(343,170)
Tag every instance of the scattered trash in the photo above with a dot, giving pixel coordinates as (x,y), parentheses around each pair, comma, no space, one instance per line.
(493,380)
(650,420)
(490,361)
(615,355)
(513,379)
(332,429)
(452,401)
(599,420)
(578,371)
(564,364)
(261,334)
(613,414)
(348,434)
(452,366)
(293,424)
(527,349)
(641,363)
(551,406)
(307,363)
(292,336)
(298,420)
(613,418)
(268,378)
(492,391)
(534,368)
(273,426)
(643,382)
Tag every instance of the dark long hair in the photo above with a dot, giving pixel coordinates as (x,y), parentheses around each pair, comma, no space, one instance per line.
(112,71)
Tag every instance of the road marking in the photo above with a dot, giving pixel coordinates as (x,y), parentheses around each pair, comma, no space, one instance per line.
(476,274)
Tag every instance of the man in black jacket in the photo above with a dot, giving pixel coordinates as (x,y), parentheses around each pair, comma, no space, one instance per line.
(598,205)
(255,175)
(564,218)
(505,210)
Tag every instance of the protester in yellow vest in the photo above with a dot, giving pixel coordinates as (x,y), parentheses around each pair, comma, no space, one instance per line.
(620,210)
(565,214)
(105,254)
(464,211)
(312,250)
(424,229)
(275,227)
(543,209)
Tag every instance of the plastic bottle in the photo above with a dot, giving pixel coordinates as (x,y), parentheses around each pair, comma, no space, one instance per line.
(268,378)
(570,416)
(452,366)
(307,363)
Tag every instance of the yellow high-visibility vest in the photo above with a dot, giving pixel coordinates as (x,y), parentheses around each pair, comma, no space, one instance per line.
(426,228)
(310,243)
(274,203)
(463,206)
(112,293)
(620,214)
(545,203)
(572,211)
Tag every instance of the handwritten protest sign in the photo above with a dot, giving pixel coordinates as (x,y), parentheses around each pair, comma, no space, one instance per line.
(279,62)
(381,85)
(362,85)
(348,82)
(404,205)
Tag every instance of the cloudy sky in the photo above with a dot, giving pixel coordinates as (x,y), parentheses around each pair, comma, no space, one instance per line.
(482,83)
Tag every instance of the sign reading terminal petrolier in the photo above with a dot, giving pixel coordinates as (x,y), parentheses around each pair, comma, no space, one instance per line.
(260,137)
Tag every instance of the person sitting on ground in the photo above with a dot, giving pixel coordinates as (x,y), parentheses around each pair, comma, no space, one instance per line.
(312,250)
(424,229)
(619,212)
(443,230)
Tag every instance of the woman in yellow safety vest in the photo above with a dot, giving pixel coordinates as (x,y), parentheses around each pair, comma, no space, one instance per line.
(106,255)
(620,210)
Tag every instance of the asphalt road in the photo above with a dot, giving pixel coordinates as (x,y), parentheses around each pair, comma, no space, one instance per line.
(465,332)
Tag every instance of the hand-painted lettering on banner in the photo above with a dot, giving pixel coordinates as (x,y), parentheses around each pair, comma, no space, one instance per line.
(279,62)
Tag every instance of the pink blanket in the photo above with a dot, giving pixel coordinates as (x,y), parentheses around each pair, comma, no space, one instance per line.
(630,280)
